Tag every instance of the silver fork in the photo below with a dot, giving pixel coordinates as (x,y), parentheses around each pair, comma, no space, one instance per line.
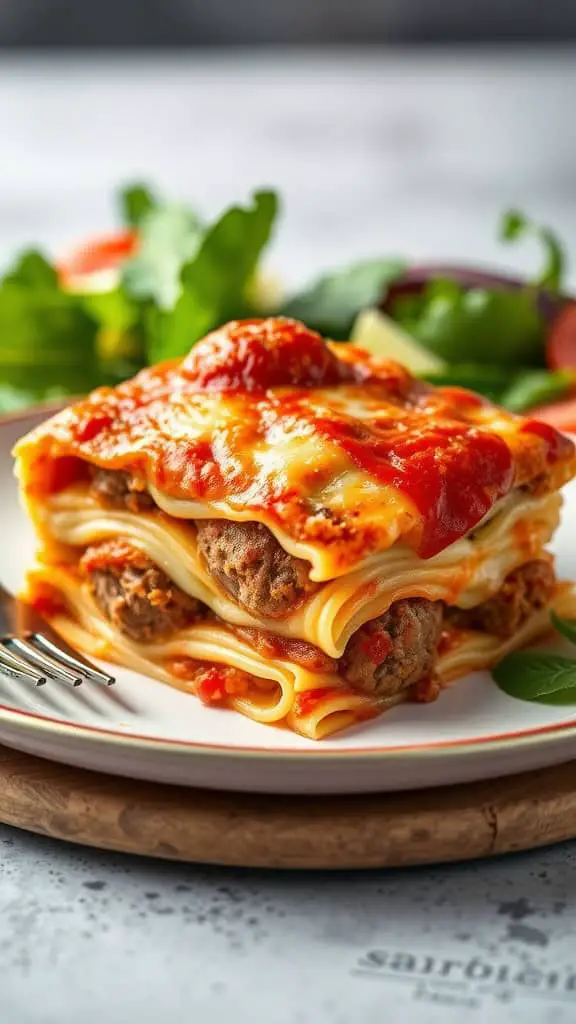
(31,651)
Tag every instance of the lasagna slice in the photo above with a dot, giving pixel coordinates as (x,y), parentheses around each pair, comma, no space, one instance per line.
(293,528)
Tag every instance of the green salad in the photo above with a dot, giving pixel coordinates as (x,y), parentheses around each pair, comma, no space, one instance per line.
(169,276)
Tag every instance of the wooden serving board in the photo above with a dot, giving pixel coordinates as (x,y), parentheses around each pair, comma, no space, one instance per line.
(385,830)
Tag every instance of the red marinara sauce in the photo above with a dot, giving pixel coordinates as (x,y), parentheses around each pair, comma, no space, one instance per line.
(306,702)
(557,445)
(453,473)
(255,355)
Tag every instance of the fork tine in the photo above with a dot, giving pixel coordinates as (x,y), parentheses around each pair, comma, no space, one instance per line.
(18,668)
(61,654)
(50,666)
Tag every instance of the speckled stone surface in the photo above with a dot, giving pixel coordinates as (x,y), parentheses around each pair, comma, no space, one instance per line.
(87,937)
(374,153)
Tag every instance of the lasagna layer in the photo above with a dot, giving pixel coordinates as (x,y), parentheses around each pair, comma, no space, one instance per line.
(213,662)
(468,572)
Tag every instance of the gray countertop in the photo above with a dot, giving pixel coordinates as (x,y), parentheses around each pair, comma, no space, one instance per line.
(377,152)
(87,936)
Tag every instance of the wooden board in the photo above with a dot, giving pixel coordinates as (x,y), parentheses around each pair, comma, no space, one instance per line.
(424,827)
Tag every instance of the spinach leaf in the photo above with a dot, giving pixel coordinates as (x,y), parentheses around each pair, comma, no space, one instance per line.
(214,281)
(331,304)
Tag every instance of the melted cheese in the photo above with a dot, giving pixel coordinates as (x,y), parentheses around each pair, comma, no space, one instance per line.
(339,466)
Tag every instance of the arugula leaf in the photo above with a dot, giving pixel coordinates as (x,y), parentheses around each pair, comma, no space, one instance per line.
(536,387)
(476,325)
(515,225)
(544,678)
(169,237)
(215,279)
(567,627)
(47,339)
(136,201)
(331,304)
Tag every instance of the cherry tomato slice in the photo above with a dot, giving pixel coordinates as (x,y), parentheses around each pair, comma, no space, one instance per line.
(561,344)
(104,253)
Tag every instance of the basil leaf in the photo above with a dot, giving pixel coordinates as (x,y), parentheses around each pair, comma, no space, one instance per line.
(169,237)
(135,202)
(332,303)
(536,676)
(476,325)
(215,280)
(567,627)
(536,388)
(516,225)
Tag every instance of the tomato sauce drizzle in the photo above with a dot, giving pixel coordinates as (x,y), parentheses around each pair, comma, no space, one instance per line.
(453,473)
(558,446)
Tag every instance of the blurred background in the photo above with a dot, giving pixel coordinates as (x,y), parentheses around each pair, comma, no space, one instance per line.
(233,22)
(401,125)
(388,127)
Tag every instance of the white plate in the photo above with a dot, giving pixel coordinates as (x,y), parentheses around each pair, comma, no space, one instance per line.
(144,729)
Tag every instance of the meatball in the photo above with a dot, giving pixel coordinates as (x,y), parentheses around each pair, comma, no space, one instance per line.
(120,489)
(249,564)
(134,594)
(524,591)
(396,650)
